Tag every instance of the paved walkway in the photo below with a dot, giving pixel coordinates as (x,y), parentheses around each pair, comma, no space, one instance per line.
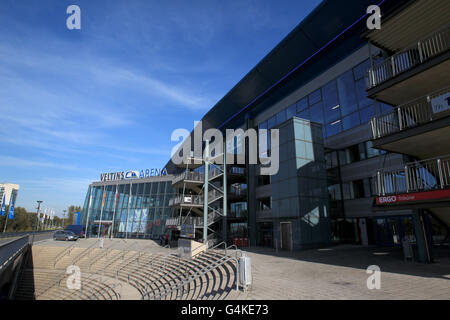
(340,273)
(333,273)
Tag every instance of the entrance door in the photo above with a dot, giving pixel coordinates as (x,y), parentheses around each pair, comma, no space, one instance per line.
(286,235)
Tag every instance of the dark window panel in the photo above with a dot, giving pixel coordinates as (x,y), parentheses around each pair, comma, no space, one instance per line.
(314,97)
(291,111)
(360,70)
(281,117)
(367,114)
(351,121)
(361,93)
(302,105)
(331,102)
(304,114)
(347,95)
(316,112)
(272,122)
(334,128)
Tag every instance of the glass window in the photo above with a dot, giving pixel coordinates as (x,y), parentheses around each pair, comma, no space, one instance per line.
(315,97)
(371,152)
(361,93)
(367,113)
(281,117)
(351,121)
(317,113)
(304,114)
(384,108)
(360,70)
(272,122)
(263,137)
(331,102)
(347,96)
(362,151)
(358,189)
(302,105)
(334,128)
(291,111)
(346,191)
(331,159)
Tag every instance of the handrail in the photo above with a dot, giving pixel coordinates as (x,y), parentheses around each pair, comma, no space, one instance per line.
(63,253)
(415,176)
(408,115)
(84,252)
(200,273)
(16,246)
(123,264)
(160,260)
(108,251)
(405,60)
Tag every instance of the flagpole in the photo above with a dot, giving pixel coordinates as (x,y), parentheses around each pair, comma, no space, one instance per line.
(114,213)
(87,216)
(6,222)
(11,206)
(101,212)
(2,209)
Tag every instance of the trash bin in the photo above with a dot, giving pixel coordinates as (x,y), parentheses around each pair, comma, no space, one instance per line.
(101,242)
(245,271)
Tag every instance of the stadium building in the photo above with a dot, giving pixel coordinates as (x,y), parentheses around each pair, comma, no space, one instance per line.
(128,204)
(364,126)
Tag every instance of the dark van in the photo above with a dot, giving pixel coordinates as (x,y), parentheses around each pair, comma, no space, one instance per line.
(78,229)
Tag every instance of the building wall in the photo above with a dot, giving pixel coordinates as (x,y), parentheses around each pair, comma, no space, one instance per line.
(7,190)
(141,207)
(299,189)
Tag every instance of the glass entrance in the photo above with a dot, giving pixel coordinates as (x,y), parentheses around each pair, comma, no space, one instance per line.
(390,231)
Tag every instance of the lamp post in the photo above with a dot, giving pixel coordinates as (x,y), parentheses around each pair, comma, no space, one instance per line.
(37,216)
(64,216)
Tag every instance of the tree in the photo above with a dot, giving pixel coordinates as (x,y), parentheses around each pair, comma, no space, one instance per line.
(22,221)
(70,215)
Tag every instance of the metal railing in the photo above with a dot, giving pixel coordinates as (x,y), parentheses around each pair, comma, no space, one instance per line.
(24,233)
(200,273)
(9,250)
(189,175)
(408,115)
(213,216)
(426,175)
(186,200)
(405,60)
(63,253)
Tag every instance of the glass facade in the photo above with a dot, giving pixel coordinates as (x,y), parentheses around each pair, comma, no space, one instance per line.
(134,209)
(339,105)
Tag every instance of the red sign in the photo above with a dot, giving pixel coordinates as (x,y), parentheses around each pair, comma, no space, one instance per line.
(409,197)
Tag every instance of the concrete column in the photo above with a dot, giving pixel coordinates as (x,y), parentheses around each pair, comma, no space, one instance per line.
(423,247)
(205,198)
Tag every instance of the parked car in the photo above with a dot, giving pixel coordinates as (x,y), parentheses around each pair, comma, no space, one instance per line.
(78,229)
(65,235)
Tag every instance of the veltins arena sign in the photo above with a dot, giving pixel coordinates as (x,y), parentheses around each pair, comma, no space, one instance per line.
(133,174)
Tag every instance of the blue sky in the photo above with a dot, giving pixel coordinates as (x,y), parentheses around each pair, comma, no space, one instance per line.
(76,103)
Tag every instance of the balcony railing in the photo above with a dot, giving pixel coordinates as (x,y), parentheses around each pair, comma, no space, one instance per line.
(186,200)
(411,114)
(188,175)
(197,221)
(230,170)
(426,175)
(407,59)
